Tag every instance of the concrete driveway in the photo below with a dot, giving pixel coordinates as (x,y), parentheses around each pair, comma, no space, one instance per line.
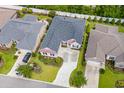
(18,62)
(70,62)
(92,76)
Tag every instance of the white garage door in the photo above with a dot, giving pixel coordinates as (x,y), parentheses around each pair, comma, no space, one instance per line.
(93,63)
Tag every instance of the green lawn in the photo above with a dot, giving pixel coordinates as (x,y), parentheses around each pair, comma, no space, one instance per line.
(43,17)
(108,79)
(48,72)
(8,56)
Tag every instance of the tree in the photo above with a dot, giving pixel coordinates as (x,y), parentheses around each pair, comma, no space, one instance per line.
(52,14)
(89,19)
(113,21)
(25,70)
(101,20)
(107,21)
(19,13)
(77,79)
(95,19)
(24,10)
(122,23)
(58,60)
(29,11)
(118,22)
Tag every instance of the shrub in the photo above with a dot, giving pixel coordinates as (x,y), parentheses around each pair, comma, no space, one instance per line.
(88,28)
(89,19)
(24,10)
(101,20)
(34,54)
(107,20)
(15,57)
(118,22)
(122,23)
(25,70)
(113,21)
(29,11)
(19,13)
(58,61)
(49,21)
(52,14)
(77,79)
(102,71)
(95,19)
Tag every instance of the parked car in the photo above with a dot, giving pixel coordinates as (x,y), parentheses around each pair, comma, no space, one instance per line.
(26,57)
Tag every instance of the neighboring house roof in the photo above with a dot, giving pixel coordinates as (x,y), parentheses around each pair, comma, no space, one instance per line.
(63,29)
(105,40)
(24,32)
(5,15)
(30,18)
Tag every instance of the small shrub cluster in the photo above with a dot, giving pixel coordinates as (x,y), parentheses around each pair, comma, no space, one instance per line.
(77,79)
(51,61)
(105,21)
(25,70)
(119,84)
(102,71)
(52,13)
(21,13)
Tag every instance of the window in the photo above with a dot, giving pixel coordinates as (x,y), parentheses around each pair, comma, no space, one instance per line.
(110,57)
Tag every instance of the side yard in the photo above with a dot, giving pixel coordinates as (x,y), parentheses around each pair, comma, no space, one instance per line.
(8,60)
(77,78)
(108,79)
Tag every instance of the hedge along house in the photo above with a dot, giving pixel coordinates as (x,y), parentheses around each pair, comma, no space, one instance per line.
(63,31)
(26,33)
(105,43)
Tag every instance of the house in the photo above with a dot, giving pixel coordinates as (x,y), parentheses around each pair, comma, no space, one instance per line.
(25,33)
(48,52)
(71,43)
(63,31)
(5,15)
(105,43)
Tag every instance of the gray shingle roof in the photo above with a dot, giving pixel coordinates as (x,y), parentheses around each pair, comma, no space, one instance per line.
(104,41)
(25,32)
(30,18)
(63,28)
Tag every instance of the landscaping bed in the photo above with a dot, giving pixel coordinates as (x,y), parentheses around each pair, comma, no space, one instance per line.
(48,71)
(8,60)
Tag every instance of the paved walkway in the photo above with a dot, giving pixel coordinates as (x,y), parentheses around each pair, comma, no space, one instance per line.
(70,62)
(92,76)
(18,62)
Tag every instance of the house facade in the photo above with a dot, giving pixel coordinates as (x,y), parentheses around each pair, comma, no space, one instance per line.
(64,32)
(25,33)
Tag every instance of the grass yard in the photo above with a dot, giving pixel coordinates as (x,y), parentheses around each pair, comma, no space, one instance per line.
(108,79)
(8,57)
(48,72)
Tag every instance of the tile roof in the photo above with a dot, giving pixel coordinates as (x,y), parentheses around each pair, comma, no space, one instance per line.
(63,29)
